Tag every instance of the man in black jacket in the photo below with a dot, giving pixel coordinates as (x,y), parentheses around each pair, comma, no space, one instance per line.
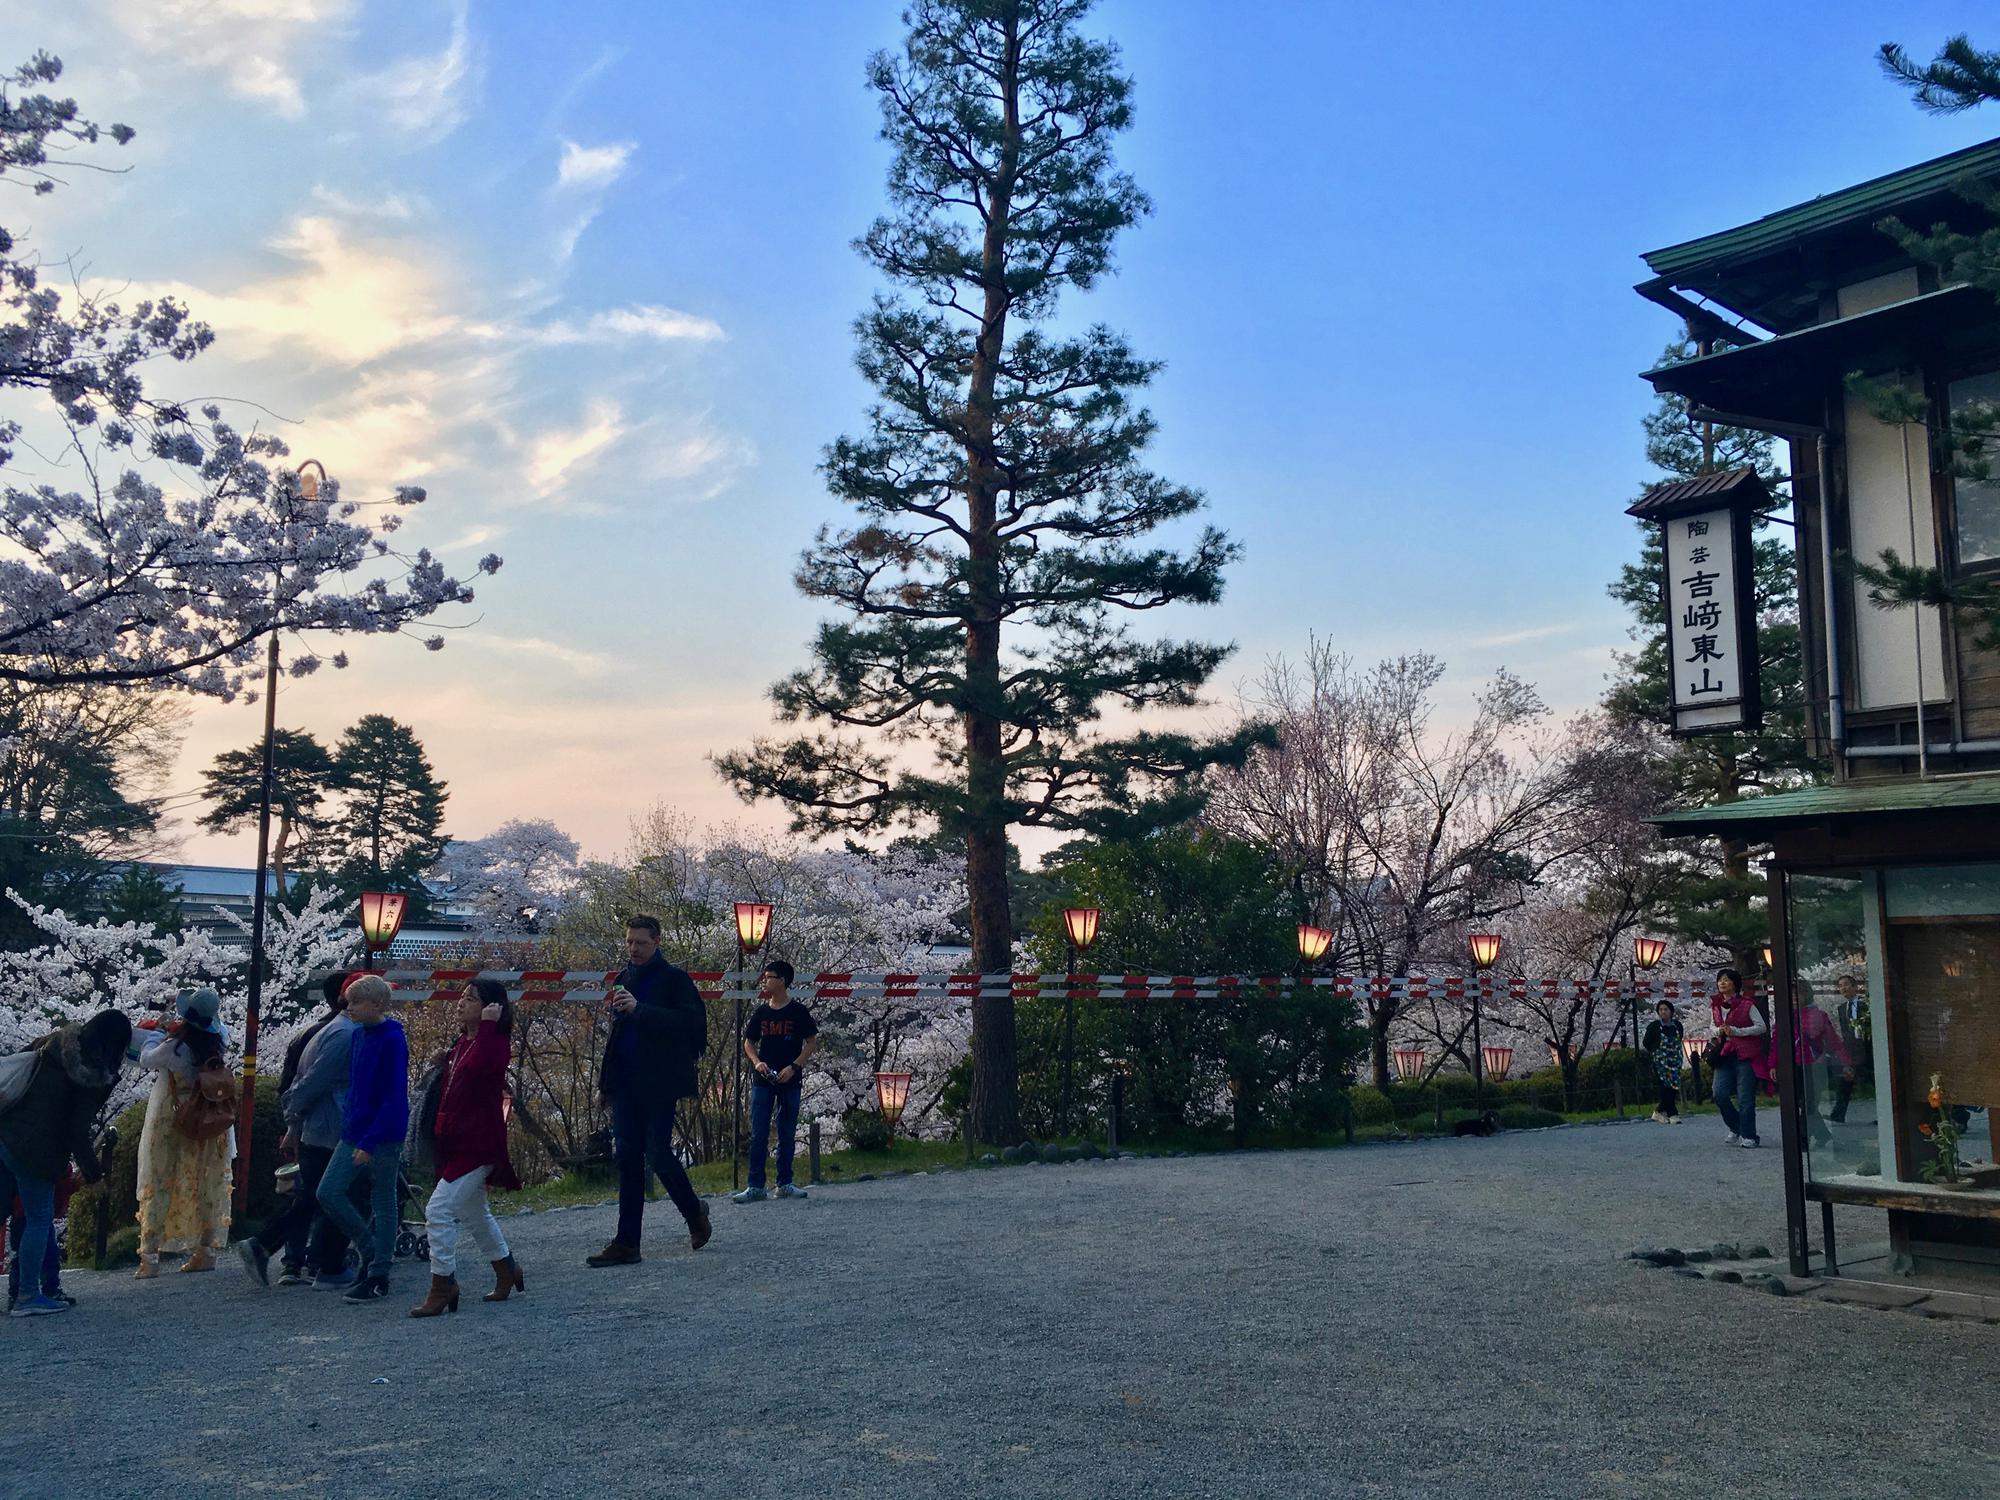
(659,1030)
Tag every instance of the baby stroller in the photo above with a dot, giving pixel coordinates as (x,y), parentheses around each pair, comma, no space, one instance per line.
(413,1238)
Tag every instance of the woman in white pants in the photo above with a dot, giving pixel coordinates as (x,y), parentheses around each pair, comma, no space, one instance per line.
(471,1148)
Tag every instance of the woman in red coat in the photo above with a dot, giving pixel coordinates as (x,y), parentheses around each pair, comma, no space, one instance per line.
(471,1147)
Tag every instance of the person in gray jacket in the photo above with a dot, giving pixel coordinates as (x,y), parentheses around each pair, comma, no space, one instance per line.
(312,1107)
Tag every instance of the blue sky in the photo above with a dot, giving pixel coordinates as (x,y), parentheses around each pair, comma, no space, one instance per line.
(585,272)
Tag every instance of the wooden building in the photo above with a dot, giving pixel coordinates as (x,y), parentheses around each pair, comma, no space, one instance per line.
(1888,876)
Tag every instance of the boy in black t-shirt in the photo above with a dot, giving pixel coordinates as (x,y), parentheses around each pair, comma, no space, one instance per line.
(778,1039)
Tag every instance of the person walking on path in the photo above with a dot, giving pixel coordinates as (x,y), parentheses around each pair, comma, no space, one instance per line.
(779,1039)
(659,1029)
(471,1148)
(184,1178)
(1745,1059)
(1663,1044)
(1817,1040)
(1852,1017)
(49,1124)
(314,1084)
(373,1119)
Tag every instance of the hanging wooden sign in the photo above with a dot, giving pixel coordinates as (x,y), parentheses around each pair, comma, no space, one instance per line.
(1709,592)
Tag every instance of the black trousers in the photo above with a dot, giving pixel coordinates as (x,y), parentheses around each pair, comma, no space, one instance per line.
(307,1235)
(643,1132)
(1670,1099)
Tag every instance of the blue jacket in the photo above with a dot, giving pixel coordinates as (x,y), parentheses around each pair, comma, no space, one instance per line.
(313,1103)
(376,1112)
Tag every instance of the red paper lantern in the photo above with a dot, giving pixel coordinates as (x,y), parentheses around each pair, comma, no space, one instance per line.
(1498,1060)
(1646,951)
(381,918)
(1409,1063)
(1313,942)
(1485,949)
(753,921)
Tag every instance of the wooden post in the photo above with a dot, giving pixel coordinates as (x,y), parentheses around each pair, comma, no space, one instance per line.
(812,1148)
(1117,1108)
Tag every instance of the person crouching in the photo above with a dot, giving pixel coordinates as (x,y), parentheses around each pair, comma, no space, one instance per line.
(471,1146)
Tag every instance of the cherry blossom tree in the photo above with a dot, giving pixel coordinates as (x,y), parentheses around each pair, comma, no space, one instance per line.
(85,967)
(173,575)
(516,880)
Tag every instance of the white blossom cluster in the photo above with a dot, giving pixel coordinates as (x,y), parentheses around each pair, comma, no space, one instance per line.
(513,882)
(125,579)
(85,967)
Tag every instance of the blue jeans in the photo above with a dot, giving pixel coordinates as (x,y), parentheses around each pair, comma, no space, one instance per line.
(642,1129)
(763,1097)
(1736,1096)
(334,1201)
(51,1264)
(38,1202)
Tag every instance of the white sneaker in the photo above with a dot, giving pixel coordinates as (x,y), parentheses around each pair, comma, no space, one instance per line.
(1734,1140)
(1676,1120)
(1658,1118)
(1749,1143)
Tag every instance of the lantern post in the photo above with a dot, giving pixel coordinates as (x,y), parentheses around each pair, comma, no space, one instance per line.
(753,924)
(1646,954)
(892,1093)
(1079,931)
(1485,948)
(309,484)
(381,919)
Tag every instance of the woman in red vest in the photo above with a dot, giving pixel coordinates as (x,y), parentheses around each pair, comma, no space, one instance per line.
(1745,1060)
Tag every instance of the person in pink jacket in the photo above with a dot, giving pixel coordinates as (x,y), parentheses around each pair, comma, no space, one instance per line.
(1746,1057)
(1816,1041)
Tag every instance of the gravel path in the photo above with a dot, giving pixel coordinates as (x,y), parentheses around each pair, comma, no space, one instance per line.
(1445,1319)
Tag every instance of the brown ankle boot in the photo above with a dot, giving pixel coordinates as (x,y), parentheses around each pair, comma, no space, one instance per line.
(617,1253)
(441,1298)
(507,1280)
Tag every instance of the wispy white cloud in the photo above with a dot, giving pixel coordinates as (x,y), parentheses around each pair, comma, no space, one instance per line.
(396,207)
(646,321)
(425,98)
(576,658)
(593,166)
(557,453)
(255,44)
(1517,637)
(349,300)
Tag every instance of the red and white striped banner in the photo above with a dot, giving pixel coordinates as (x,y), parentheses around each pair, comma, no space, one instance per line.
(540,986)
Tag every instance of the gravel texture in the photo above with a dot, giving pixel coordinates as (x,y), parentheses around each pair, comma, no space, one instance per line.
(1445,1319)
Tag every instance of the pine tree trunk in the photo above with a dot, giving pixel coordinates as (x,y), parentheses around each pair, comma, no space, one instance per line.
(995,1085)
(1378,1050)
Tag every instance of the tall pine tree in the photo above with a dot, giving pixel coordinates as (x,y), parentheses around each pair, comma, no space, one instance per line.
(1719,904)
(392,821)
(302,778)
(1001,503)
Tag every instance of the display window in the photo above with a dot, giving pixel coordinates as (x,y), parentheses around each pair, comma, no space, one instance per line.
(1896,993)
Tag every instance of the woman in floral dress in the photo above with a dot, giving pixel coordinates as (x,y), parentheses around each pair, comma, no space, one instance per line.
(184,1183)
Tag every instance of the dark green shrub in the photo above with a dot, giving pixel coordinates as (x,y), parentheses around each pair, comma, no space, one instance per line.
(1371,1105)
(865,1130)
(1524,1117)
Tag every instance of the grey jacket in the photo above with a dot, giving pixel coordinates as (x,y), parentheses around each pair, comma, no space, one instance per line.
(313,1102)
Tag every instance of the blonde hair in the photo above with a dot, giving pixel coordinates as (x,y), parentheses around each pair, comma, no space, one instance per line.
(370,987)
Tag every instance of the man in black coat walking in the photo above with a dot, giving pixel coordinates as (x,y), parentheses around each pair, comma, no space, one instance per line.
(659,1030)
